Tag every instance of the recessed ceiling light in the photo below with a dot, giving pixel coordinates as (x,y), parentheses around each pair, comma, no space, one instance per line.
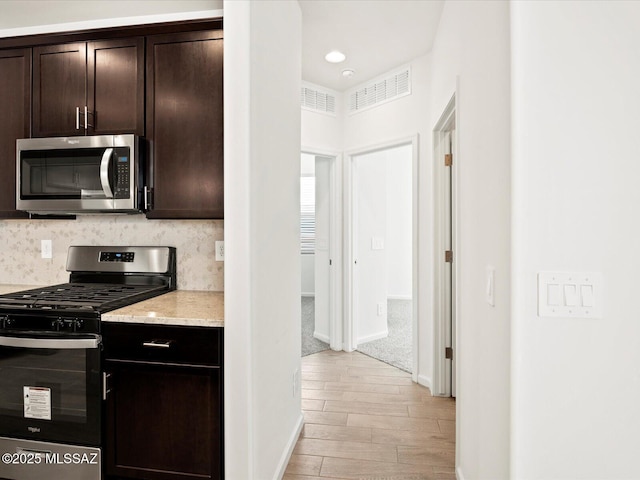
(335,57)
(348,73)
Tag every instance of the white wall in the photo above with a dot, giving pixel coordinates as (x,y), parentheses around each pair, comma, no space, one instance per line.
(576,382)
(472,48)
(26,17)
(323,133)
(262,275)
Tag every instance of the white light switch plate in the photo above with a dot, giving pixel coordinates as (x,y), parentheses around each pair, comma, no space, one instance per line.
(377,243)
(570,294)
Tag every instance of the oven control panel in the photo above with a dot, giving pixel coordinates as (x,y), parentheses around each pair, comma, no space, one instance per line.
(67,324)
(117,256)
(38,323)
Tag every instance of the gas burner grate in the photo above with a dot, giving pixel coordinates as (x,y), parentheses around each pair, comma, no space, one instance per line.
(78,296)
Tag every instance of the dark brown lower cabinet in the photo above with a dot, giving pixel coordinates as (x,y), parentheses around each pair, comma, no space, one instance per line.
(163,418)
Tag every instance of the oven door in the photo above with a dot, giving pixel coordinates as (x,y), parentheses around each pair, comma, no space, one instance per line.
(50,387)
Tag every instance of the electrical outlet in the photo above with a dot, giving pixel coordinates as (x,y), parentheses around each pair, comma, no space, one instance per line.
(219,251)
(382,309)
(46,249)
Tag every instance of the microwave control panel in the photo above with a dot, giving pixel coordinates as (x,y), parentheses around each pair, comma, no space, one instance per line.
(123,173)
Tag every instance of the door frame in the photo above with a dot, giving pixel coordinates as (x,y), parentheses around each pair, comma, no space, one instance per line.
(335,239)
(349,278)
(445,297)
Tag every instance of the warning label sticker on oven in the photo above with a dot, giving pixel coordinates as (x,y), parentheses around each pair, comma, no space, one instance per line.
(37,403)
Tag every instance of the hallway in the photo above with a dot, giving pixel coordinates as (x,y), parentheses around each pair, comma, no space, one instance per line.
(366,419)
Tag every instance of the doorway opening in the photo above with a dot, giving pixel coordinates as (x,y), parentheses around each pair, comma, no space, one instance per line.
(316,248)
(381,225)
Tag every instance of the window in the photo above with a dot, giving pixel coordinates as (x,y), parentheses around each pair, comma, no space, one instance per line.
(307,214)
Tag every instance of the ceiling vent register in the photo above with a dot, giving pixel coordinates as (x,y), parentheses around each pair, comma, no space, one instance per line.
(380,91)
(318,101)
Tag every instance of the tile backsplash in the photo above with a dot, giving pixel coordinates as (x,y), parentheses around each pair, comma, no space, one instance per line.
(21,263)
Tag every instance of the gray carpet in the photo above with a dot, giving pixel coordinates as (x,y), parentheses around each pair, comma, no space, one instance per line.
(310,344)
(397,348)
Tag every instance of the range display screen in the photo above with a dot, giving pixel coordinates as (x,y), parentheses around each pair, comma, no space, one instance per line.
(117,256)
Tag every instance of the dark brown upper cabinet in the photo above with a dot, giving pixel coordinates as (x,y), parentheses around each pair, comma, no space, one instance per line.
(89,88)
(15,98)
(185,124)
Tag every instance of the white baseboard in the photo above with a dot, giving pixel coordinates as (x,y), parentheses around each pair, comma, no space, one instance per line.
(375,336)
(321,337)
(459,474)
(291,444)
(424,381)
(308,294)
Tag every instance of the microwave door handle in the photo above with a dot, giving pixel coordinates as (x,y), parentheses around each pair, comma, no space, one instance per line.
(104,172)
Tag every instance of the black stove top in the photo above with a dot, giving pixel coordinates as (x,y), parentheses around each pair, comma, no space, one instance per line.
(94,297)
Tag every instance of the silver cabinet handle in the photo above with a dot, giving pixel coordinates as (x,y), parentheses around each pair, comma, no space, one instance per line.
(86,117)
(105,389)
(157,344)
(104,172)
(77,118)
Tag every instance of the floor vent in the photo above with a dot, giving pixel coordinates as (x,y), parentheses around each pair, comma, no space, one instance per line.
(317,100)
(383,90)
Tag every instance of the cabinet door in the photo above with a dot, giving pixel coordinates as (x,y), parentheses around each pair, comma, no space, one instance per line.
(163,422)
(184,124)
(115,86)
(15,98)
(59,87)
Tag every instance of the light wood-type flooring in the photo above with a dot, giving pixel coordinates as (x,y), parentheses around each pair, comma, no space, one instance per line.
(366,420)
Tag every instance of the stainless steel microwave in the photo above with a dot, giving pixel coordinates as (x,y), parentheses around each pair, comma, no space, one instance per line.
(76,175)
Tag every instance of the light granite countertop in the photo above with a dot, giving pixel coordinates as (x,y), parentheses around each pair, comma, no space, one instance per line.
(180,307)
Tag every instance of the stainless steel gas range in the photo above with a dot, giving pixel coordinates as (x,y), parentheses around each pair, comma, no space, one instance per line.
(51,380)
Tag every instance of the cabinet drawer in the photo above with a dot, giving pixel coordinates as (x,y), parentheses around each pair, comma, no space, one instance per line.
(162,343)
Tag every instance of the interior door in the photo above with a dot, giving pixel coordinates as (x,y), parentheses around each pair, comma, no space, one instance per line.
(322,250)
(449,270)
(370,261)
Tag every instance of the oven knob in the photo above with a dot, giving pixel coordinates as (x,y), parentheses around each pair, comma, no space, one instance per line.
(57,324)
(78,324)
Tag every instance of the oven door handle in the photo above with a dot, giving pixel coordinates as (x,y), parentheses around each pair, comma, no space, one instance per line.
(104,172)
(59,343)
